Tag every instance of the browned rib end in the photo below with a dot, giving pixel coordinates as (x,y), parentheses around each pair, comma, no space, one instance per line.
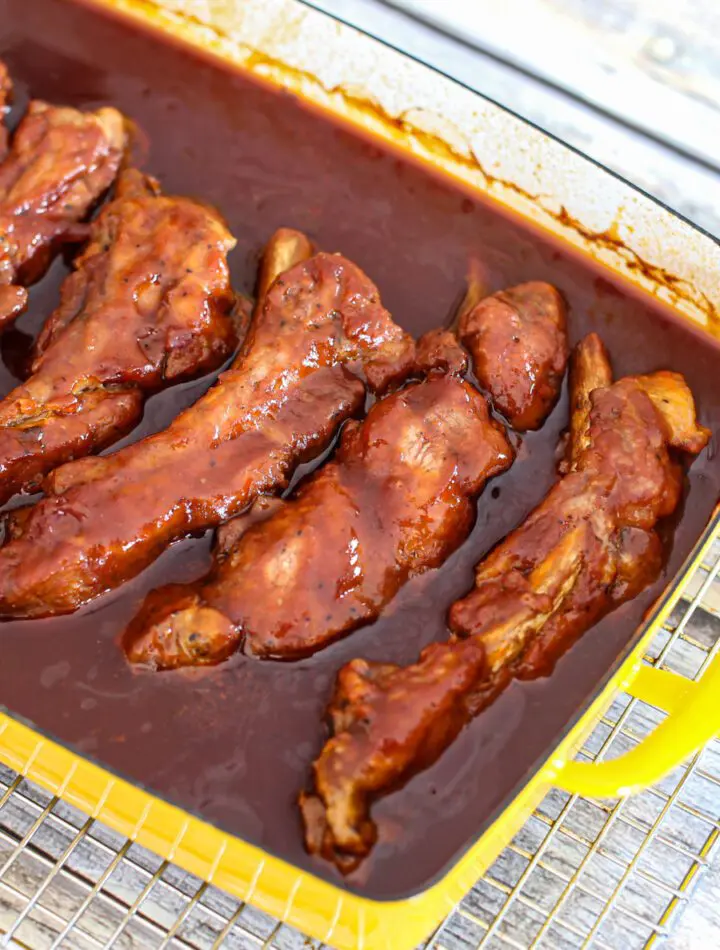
(589,370)
(284,249)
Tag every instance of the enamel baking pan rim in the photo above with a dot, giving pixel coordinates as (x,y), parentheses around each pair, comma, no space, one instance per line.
(311,902)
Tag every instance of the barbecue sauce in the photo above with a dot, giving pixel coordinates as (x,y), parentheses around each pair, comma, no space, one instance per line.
(234,743)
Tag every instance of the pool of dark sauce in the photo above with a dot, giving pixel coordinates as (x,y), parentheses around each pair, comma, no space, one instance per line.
(234,744)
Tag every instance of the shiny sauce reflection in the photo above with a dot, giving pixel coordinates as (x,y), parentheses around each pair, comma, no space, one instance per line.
(234,743)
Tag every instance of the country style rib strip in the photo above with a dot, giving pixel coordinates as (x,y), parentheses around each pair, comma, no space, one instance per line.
(148,304)
(588,547)
(318,335)
(401,493)
(59,163)
(396,500)
(518,342)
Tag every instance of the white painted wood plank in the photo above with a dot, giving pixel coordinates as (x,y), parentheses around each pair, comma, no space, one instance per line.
(680,182)
(652,63)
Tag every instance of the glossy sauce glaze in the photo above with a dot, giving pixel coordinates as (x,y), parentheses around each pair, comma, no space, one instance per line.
(234,743)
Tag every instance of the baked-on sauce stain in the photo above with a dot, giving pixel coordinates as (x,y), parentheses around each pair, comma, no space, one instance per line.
(234,743)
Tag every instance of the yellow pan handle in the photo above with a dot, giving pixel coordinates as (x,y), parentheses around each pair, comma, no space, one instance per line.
(693,719)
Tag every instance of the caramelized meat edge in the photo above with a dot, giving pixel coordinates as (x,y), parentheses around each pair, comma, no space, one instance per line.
(589,370)
(318,334)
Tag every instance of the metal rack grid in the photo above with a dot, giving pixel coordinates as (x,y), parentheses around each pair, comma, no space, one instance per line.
(580,873)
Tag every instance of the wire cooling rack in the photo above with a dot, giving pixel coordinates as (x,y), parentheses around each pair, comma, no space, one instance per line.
(611,875)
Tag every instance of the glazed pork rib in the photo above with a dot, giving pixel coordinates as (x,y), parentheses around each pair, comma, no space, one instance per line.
(517,339)
(588,547)
(401,493)
(591,544)
(59,163)
(395,501)
(149,303)
(317,334)
(518,342)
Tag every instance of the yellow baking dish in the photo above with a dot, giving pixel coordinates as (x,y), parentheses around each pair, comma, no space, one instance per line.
(409,107)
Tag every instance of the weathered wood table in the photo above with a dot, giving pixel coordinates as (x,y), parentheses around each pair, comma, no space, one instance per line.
(636,85)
